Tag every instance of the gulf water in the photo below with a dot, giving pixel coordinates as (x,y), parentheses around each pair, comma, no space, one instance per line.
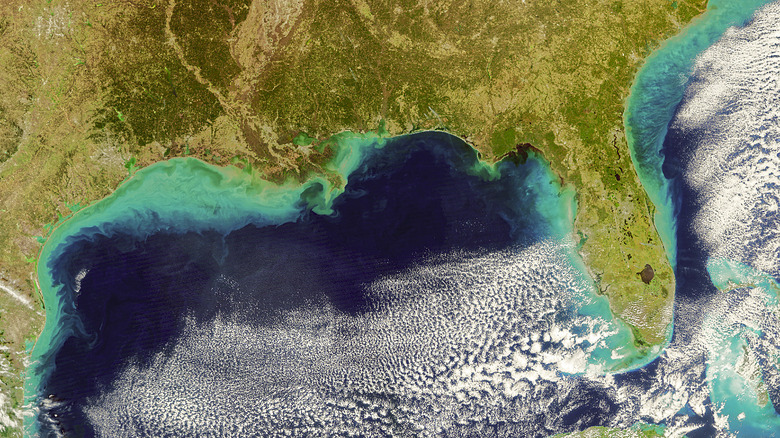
(704,136)
(425,292)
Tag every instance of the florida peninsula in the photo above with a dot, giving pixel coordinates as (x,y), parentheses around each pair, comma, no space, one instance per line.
(91,91)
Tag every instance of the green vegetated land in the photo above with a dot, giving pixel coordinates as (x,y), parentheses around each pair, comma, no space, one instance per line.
(90,90)
(638,431)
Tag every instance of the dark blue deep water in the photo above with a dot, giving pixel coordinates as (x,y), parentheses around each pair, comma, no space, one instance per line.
(428,303)
(413,199)
(438,299)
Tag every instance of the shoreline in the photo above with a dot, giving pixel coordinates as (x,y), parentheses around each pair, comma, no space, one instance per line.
(220,199)
(655,93)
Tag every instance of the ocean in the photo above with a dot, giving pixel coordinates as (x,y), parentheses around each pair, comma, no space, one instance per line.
(429,278)
(418,290)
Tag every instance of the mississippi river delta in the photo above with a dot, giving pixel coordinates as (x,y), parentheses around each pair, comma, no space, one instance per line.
(94,92)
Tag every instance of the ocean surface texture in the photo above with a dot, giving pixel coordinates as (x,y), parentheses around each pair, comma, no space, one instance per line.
(435,293)
(425,292)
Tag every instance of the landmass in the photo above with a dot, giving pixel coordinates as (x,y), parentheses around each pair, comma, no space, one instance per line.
(92,91)
(639,431)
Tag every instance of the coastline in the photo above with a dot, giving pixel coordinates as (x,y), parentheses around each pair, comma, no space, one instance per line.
(227,198)
(659,223)
(656,92)
(223,199)
(232,198)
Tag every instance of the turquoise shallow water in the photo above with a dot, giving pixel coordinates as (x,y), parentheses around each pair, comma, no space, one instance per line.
(178,195)
(740,390)
(186,195)
(655,95)
(724,308)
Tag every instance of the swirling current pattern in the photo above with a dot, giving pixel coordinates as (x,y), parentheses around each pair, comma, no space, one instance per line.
(724,153)
(483,341)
